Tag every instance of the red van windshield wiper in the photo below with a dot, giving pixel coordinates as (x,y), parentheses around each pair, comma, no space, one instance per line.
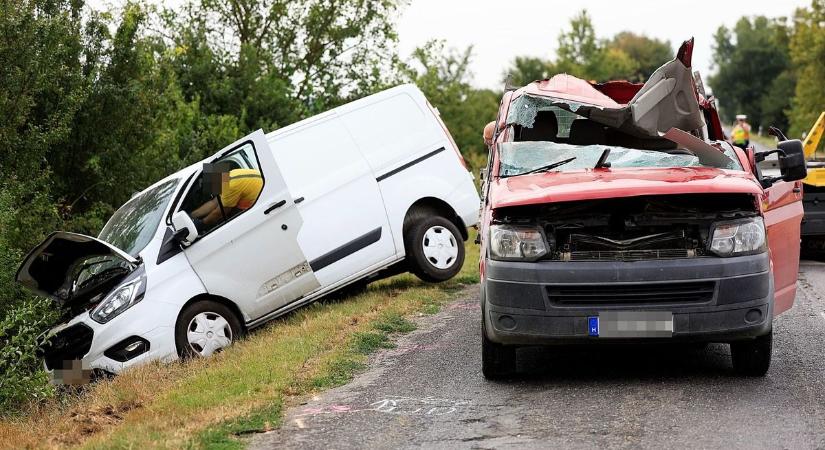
(542,168)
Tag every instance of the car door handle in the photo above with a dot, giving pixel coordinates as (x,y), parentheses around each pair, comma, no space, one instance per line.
(299,200)
(797,189)
(275,206)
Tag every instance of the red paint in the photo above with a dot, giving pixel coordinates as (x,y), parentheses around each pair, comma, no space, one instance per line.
(781,207)
(596,184)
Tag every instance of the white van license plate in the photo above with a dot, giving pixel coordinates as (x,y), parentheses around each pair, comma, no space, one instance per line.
(631,324)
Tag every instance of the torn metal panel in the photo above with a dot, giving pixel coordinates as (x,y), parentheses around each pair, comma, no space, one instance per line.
(667,100)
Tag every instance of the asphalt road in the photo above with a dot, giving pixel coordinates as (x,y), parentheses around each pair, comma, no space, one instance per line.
(429,392)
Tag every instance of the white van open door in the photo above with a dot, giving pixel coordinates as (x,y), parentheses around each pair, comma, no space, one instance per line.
(253,257)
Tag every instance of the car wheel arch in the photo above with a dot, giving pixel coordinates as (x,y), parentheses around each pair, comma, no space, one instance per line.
(215,298)
(430,205)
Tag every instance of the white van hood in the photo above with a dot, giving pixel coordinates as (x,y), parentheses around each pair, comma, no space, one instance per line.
(73,268)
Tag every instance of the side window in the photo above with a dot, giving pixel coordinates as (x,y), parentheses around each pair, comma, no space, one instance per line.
(224,189)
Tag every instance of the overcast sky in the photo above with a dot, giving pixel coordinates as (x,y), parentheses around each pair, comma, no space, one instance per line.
(501,30)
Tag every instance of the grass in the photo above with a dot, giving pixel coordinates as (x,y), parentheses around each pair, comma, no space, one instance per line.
(216,402)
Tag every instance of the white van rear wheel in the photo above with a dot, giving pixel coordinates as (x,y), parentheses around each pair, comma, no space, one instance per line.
(435,249)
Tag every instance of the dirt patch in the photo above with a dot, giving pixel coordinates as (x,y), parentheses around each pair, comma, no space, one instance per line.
(95,420)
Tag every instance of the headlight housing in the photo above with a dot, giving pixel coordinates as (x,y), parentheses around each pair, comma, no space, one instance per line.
(740,237)
(517,243)
(119,300)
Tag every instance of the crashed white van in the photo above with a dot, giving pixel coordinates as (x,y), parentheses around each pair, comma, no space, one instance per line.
(366,190)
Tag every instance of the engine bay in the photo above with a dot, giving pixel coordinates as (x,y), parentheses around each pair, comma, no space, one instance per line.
(631,228)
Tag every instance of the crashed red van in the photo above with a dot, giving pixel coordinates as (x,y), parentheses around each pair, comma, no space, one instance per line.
(617,212)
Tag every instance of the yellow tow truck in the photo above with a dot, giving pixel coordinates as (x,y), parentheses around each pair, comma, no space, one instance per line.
(813,224)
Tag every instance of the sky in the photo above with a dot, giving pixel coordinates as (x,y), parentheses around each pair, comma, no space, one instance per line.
(499,31)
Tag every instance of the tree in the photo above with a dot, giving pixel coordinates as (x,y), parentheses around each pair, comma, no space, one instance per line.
(281,59)
(750,62)
(581,54)
(648,53)
(525,69)
(807,48)
(444,77)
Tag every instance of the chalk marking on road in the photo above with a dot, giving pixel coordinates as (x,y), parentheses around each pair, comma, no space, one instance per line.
(300,422)
(406,406)
(431,406)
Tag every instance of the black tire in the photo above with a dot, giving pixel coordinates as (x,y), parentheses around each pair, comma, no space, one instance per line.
(428,268)
(497,361)
(752,358)
(211,309)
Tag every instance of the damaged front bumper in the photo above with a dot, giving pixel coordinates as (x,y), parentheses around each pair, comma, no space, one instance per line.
(711,299)
(83,348)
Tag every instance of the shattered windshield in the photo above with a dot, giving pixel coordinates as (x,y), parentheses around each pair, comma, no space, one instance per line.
(524,110)
(133,225)
(521,157)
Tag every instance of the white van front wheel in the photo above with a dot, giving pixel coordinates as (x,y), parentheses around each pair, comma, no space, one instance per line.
(435,249)
(205,328)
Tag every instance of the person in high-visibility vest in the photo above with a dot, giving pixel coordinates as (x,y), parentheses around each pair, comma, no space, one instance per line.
(741,133)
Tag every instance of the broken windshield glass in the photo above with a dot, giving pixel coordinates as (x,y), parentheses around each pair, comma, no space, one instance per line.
(525,109)
(520,157)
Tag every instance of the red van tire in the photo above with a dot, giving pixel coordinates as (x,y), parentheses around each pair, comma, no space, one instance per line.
(752,358)
(497,361)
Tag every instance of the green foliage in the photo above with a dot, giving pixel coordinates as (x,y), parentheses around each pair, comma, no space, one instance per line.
(95,106)
(394,323)
(753,75)
(227,435)
(581,53)
(807,48)
(526,69)
(368,342)
(647,53)
(444,78)
(22,378)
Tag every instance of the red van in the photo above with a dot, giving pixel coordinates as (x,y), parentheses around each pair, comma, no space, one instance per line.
(617,212)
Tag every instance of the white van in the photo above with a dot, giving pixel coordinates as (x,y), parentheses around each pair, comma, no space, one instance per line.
(366,190)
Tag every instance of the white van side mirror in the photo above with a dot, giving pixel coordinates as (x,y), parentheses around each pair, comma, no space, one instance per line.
(185,229)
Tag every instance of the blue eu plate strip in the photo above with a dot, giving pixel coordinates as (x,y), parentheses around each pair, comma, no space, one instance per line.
(593,326)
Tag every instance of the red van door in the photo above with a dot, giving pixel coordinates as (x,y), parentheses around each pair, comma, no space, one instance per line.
(783,217)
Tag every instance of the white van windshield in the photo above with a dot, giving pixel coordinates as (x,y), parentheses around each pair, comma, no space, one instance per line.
(133,225)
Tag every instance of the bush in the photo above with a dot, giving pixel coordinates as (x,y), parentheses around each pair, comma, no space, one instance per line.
(22,378)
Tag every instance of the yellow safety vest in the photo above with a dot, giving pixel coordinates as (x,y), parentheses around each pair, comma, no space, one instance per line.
(740,135)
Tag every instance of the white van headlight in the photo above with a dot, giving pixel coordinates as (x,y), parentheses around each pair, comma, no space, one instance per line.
(741,237)
(119,300)
(516,243)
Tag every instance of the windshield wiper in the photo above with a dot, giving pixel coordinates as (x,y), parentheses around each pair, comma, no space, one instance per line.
(542,168)
(602,163)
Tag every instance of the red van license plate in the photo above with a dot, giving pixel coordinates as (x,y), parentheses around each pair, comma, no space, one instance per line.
(631,324)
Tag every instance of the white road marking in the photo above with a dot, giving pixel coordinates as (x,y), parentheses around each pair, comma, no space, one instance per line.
(300,422)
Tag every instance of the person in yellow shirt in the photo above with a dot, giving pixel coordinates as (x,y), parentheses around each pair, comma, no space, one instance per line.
(236,190)
(741,133)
